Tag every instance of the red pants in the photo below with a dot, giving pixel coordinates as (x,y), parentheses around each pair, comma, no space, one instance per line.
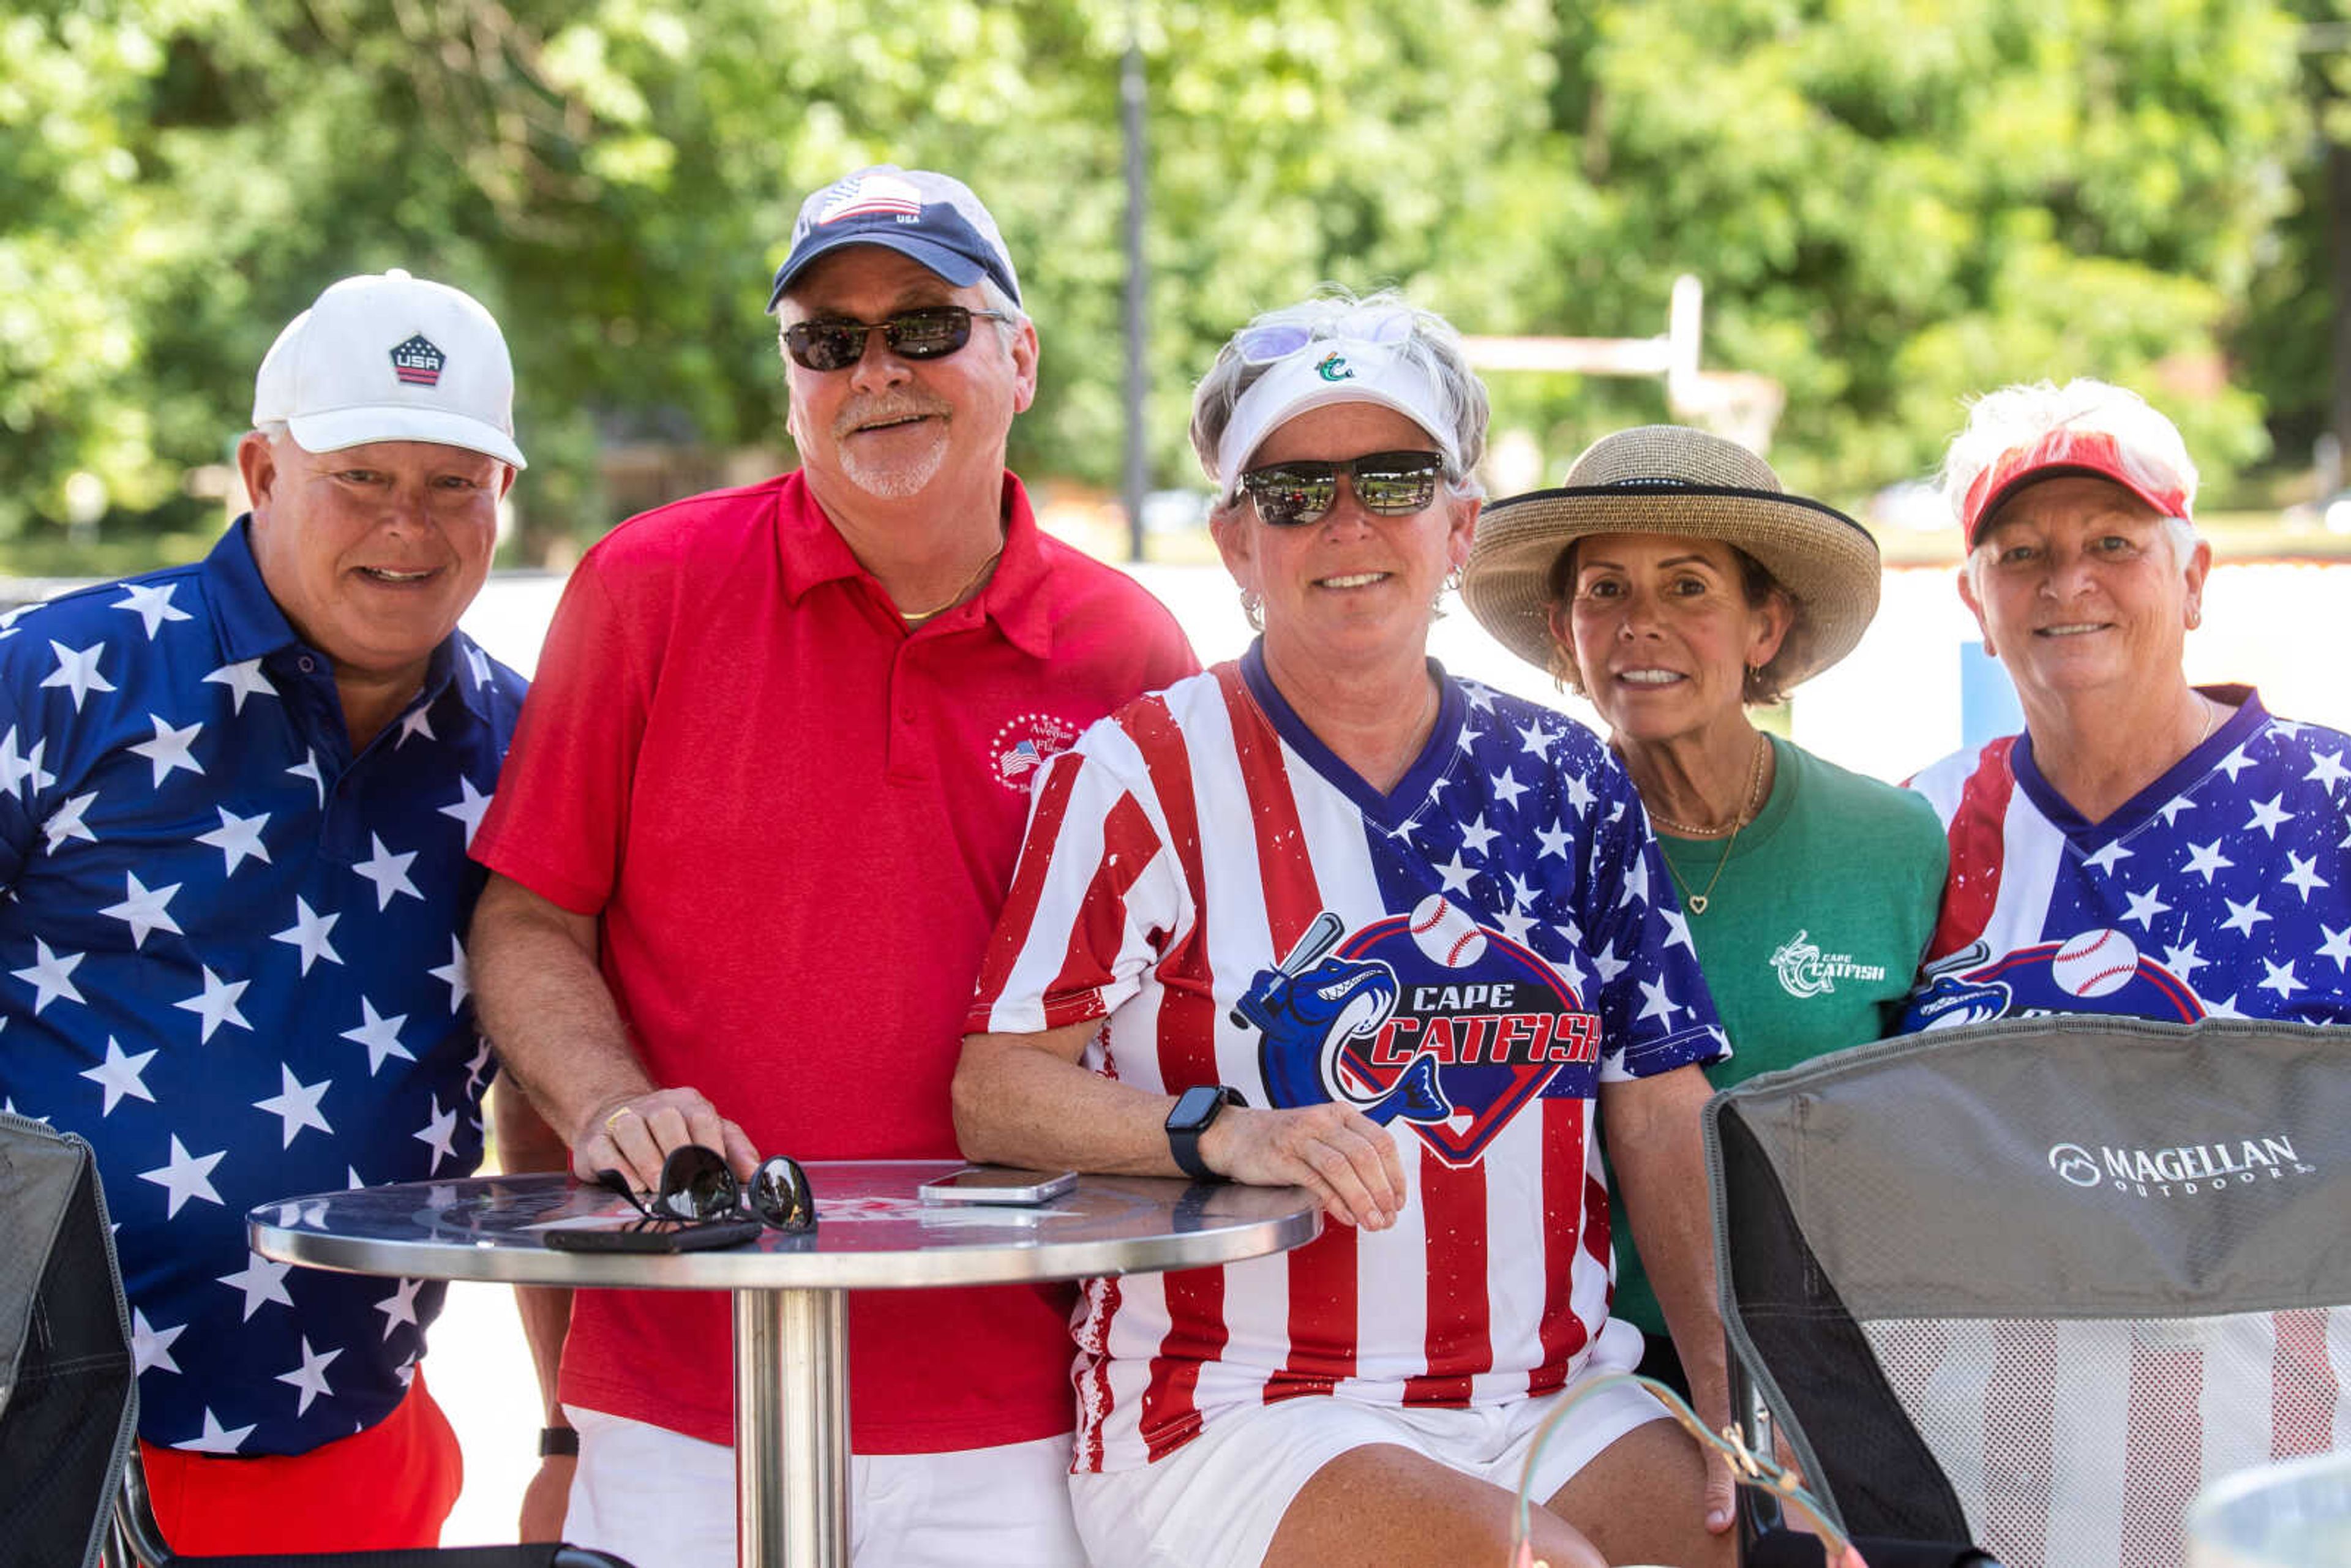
(389,1487)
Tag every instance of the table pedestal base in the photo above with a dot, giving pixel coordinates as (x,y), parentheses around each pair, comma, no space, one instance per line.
(791,1379)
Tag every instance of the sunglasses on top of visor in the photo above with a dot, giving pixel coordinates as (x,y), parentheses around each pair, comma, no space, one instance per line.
(837,343)
(1390,484)
(1365,324)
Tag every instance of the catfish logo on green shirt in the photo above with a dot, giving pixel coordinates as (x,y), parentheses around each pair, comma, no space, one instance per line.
(1805,971)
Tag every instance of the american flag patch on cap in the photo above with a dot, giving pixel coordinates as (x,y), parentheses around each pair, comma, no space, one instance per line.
(417,362)
(865,195)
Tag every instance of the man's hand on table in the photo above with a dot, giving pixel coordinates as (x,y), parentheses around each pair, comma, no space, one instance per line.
(633,1134)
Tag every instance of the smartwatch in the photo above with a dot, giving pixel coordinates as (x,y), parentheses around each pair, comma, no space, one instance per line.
(1196,1110)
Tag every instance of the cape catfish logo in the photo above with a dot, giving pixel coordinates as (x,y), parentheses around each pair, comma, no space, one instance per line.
(2100,971)
(1430,1019)
(1026,742)
(1805,971)
(2180,1170)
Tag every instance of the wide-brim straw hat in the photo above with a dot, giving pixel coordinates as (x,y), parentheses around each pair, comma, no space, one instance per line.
(1671,480)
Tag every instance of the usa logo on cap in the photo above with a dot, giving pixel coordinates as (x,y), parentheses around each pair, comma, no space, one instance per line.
(417,362)
(873,195)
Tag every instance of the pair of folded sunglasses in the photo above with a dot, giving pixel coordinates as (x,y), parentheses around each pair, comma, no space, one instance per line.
(698,1187)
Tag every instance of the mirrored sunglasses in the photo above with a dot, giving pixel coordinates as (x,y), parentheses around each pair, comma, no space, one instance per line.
(837,343)
(698,1187)
(1277,340)
(1390,484)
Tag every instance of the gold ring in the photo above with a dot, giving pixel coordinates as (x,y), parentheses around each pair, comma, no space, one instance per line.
(623,1111)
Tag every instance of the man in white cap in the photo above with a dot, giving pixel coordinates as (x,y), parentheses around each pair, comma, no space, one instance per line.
(761,818)
(235,801)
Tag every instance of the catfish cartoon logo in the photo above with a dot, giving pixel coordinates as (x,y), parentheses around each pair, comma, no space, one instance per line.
(1429,1020)
(2100,971)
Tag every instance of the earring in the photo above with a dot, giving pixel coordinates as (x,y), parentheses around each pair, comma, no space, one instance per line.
(1253,607)
(2195,616)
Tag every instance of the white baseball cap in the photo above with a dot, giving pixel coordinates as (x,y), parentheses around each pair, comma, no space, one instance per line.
(391,357)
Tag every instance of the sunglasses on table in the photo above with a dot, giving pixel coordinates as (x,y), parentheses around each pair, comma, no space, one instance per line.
(697,1186)
(837,343)
(1390,484)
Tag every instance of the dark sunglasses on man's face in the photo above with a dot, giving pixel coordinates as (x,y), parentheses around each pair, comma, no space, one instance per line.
(1392,484)
(836,342)
(697,1186)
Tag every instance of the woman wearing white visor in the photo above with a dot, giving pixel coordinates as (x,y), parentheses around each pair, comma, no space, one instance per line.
(1330,916)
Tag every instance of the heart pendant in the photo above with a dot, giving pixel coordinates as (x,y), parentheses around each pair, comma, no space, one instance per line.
(1697,903)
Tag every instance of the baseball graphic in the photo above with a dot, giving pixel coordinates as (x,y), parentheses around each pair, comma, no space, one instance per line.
(2093,962)
(1447,935)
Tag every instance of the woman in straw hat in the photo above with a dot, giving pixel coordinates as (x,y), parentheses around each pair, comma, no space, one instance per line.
(1674,583)
(1327,916)
(2172,851)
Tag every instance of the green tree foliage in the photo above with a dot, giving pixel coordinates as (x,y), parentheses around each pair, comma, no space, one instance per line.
(1892,203)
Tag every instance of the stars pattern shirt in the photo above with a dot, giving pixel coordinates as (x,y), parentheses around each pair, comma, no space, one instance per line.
(2222,890)
(230,959)
(1465,959)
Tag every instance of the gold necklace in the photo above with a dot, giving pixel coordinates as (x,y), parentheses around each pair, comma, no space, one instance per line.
(916,617)
(1696,902)
(2211,715)
(1747,807)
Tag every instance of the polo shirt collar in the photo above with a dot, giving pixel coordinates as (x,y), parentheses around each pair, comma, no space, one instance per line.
(1017,597)
(246,618)
(250,625)
(813,553)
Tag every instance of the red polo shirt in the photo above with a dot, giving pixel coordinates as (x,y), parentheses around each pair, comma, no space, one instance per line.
(796,820)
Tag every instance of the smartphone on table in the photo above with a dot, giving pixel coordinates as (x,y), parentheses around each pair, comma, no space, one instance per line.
(998,1184)
(655,1236)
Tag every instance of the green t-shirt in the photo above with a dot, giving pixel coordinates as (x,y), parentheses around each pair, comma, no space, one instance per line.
(1811,936)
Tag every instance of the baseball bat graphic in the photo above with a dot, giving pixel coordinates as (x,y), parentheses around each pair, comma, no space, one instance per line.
(1320,938)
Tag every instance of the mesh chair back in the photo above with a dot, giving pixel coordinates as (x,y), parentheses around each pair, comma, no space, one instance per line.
(2032,1283)
(67,1406)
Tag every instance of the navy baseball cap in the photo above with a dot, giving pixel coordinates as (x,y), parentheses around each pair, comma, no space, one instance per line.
(934,218)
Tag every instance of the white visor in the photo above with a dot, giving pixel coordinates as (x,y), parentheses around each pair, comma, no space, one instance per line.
(1323,372)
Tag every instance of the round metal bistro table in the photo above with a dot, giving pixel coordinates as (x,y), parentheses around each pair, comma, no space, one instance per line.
(791,1347)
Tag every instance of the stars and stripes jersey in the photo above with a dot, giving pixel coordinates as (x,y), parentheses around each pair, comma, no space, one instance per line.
(229,958)
(2222,889)
(1466,959)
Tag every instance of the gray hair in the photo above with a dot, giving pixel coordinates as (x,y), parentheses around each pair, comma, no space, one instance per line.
(1433,346)
(2017,416)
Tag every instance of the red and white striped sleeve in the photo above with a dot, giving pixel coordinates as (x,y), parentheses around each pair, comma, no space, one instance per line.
(1096,897)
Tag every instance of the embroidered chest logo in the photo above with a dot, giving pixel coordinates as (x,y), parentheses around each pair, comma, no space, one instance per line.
(1427,1018)
(1805,971)
(1025,743)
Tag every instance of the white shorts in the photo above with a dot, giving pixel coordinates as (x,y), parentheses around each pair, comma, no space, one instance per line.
(1216,1501)
(662,1499)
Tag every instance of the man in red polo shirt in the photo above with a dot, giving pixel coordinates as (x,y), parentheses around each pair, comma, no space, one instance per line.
(755,829)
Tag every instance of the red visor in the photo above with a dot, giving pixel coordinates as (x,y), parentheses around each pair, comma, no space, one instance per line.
(2062,452)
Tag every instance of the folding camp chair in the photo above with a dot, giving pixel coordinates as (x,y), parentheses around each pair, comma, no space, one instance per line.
(2028,1285)
(68,1388)
(67,1405)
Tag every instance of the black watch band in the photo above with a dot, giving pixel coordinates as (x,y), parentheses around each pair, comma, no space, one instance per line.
(558,1442)
(1196,1110)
